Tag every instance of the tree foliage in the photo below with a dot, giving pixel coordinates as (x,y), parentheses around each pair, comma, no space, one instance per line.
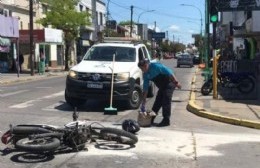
(172,47)
(127,22)
(63,15)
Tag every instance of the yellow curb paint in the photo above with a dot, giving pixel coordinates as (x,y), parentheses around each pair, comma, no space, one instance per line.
(250,124)
(192,107)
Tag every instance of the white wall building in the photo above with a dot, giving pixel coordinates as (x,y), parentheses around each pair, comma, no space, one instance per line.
(54,49)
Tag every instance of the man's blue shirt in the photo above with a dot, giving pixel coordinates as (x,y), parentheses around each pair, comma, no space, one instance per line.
(155,69)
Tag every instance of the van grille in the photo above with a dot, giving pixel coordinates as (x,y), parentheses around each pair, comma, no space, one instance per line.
(94,77)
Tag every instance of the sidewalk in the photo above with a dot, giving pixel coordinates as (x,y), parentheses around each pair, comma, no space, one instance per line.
(238,112)
(6,78)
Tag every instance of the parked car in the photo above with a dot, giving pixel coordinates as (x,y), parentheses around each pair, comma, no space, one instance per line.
(91,78)
(185,59)
(196,59)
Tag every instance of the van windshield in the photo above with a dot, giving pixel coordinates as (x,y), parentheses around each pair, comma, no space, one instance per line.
(105,53)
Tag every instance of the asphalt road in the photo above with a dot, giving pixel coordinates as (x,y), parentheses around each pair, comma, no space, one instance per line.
(190,141)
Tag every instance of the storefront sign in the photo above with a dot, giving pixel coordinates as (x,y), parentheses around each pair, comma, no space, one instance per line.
(238,5)
(44,35)
(38,36)
(9,27)
(53,35)
(5,42)
(85,43)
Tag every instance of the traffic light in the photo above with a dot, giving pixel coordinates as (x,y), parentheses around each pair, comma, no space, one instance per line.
(213,11)
(213,15)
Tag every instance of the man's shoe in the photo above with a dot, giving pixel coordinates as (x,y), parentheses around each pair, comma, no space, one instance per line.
(164,123)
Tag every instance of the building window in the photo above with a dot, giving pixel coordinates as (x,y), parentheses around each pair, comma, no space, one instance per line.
(10,13)
(97,17)
(249,14)
(87,9)
(80,8)
(44,9)
(101,18)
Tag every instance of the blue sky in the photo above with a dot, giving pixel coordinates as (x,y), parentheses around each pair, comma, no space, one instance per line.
(180,21)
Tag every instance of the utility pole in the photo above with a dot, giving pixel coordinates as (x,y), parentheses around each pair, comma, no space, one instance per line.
(207,35)
(154,26)
(131,24)
(31,38)
(94,19)
(107,18)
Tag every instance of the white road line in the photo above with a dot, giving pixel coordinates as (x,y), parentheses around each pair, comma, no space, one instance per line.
(12,93)
(25,104)
(31,102)
(43,87)
(53,107)
(54,95)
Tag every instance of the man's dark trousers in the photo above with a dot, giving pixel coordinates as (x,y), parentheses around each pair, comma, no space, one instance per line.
(163,99)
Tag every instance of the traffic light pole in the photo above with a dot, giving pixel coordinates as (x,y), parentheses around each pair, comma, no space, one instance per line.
(214,25)
(207,35)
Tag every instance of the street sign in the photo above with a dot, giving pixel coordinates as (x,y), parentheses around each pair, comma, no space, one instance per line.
(111,24)
(159,35)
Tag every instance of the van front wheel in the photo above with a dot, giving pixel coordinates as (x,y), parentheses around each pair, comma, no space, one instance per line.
(135,97)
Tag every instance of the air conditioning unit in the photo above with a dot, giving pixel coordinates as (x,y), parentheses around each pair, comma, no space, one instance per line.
(6,12)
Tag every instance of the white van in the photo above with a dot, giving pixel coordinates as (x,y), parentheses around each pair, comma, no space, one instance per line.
(91,78)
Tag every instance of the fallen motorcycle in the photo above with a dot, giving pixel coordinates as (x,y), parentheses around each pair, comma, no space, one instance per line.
(39,138)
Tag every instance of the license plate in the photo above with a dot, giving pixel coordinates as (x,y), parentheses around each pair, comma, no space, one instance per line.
(95,85)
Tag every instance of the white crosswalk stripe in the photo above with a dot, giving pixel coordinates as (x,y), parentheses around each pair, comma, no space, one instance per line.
(13,93)
(31,102)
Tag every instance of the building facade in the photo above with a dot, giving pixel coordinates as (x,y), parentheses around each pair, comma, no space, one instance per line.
(238,36)
(91,34)
(48,40)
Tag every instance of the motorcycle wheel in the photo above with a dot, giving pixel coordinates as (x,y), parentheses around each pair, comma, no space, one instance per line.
(121,136)
(207,87)
(246,85)
(38,145)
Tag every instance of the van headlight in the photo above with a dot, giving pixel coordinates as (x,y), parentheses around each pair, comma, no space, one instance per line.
(73,74)
(122,77)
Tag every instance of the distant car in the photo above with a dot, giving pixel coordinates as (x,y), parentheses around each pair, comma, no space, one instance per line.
(196,59)
(177,55)
(185,59)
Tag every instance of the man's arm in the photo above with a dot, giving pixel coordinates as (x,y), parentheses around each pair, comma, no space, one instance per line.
(175,81)
(144,98)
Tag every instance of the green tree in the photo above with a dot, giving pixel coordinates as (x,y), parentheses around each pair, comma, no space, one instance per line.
(165,46)
(63,15)
(127,22)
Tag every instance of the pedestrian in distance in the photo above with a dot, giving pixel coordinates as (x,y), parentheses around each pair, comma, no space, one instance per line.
(20,62)
(164,78)
(42,63)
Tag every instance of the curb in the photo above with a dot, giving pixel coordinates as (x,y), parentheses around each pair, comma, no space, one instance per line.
(30,78)
(195,109)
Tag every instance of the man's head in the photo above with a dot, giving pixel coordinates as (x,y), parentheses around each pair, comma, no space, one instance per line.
(143,64)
